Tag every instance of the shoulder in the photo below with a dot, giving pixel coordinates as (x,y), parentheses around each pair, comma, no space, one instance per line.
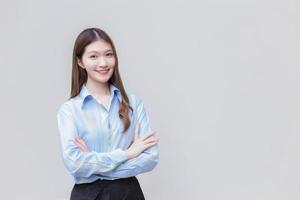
(134,100)
(137,103)
(68,106)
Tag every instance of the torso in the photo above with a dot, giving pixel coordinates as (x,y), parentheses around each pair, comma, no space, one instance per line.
(104,100)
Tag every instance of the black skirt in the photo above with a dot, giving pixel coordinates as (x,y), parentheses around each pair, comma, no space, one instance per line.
(119,189)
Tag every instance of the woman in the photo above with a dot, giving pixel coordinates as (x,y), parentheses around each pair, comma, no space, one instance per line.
(106,139)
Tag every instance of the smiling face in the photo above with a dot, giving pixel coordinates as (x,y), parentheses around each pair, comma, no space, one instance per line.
(98,60)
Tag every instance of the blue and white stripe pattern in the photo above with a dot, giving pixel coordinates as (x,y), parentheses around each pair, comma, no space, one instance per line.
(101,129)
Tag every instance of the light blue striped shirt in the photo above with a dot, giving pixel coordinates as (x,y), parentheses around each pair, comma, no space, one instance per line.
(101,129)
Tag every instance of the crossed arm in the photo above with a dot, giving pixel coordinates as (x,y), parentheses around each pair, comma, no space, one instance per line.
(81,162)
(144,162)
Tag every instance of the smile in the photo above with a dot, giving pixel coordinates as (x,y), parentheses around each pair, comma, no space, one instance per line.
(103,72)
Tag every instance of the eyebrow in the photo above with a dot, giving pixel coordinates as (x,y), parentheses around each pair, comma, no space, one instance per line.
(94,51)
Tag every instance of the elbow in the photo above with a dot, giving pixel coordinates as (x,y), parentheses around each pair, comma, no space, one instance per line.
(84,166)
(75,167)
(154,160)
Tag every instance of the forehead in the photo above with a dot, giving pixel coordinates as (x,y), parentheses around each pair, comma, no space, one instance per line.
(99,46)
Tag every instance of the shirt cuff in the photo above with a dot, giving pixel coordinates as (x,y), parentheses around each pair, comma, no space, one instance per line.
(120,155)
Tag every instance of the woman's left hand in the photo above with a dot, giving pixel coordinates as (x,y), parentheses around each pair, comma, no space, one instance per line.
(81,144)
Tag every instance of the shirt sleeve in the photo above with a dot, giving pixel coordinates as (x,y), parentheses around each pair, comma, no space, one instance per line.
(147,160)
(78,163)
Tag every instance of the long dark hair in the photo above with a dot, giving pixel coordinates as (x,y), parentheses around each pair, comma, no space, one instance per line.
(79,75)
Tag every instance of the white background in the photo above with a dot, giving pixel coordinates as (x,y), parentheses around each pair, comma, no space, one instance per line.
(220,80)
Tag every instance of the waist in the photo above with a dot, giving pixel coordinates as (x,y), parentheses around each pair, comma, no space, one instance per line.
(119,180)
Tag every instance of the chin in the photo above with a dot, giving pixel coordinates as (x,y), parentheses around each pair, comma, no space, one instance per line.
(102,79)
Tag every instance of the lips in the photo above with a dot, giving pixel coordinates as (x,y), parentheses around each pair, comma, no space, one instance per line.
(103,72)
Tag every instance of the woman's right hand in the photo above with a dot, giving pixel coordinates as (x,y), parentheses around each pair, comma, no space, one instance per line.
(140,144)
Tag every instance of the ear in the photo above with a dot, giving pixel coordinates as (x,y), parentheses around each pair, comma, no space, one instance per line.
(80,63)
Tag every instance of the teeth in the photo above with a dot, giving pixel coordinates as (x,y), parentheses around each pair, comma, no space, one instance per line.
(103,70)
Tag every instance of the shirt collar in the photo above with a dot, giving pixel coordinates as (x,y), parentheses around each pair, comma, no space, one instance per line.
(85,94)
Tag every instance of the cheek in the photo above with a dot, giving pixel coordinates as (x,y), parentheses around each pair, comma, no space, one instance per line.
(112,62)
(112,71)
(90,63)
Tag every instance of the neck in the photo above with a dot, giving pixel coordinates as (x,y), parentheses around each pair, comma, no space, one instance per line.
(98,89)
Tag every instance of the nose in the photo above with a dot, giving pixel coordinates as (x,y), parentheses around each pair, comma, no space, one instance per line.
(102,62)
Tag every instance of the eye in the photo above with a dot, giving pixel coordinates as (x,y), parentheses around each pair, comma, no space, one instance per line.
(110,54)
(93,56)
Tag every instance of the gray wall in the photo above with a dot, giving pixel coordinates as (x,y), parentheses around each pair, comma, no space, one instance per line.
(220,80)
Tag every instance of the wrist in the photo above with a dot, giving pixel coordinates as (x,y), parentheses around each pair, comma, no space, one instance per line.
(128,154)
